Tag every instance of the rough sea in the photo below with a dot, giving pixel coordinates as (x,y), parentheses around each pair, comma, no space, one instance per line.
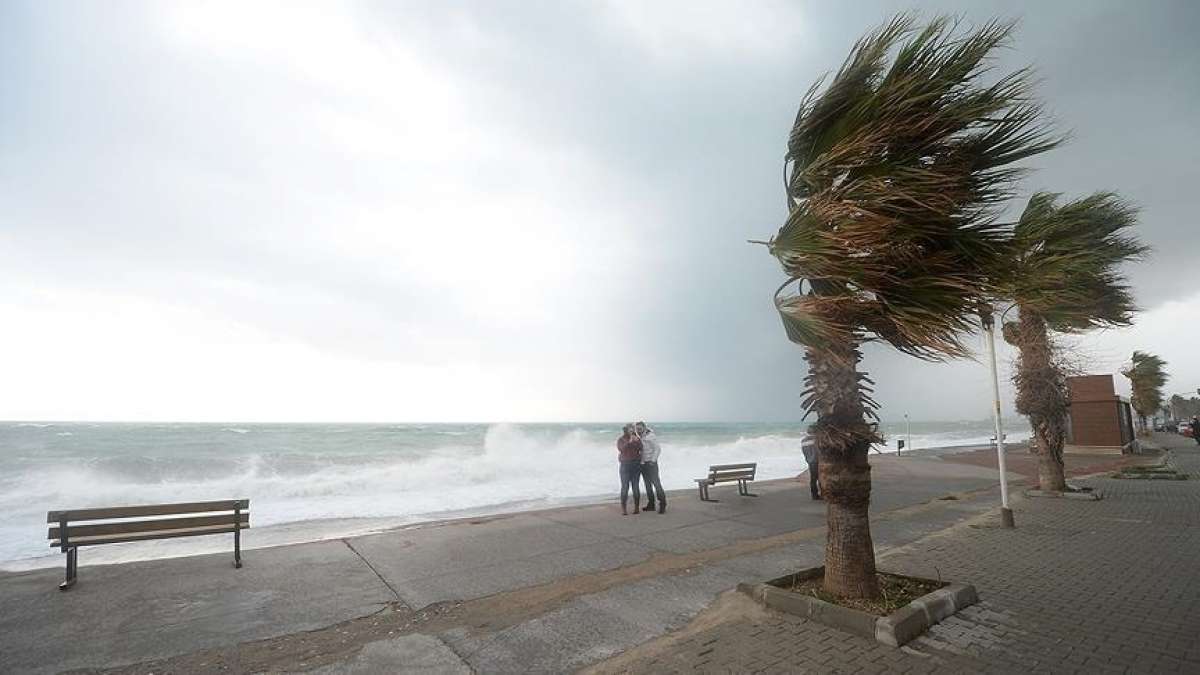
(316,481)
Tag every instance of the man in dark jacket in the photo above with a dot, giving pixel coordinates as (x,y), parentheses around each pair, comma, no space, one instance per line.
(809,448)
(1195,429)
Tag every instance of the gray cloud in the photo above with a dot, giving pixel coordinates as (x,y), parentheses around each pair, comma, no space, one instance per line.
(624,151)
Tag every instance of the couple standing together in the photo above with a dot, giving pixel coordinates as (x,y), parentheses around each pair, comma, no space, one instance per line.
(637,451)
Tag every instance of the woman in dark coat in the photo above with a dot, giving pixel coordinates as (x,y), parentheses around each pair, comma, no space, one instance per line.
(629,454)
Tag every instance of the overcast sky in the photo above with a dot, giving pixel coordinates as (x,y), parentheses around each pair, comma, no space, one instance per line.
(521,211)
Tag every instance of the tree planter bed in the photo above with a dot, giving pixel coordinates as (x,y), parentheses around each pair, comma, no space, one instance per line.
(1086,494)
(1156,473)
(1161,471)
(895,628)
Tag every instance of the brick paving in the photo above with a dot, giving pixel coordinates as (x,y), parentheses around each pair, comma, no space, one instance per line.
(1022,462)
(1095,587)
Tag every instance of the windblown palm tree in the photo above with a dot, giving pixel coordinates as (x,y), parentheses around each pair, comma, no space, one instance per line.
(1063,276)
(1183,408)
(892,172)
(1146,376)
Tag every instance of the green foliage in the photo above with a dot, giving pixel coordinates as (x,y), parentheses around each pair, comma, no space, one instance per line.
(893,173)
(1146,376)
(1065,261)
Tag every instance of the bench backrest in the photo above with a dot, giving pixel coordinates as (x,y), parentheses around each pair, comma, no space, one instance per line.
(727,473)
(137,523)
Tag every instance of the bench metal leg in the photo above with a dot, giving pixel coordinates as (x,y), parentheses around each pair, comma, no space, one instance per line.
(237,537)
(744,489)
(72,566)
(704,493)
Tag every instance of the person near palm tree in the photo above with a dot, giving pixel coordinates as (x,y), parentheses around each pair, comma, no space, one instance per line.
(809,447)
(629,455)
(650,453)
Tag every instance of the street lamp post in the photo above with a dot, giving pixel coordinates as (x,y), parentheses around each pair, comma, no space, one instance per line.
(907,434)
(989,327)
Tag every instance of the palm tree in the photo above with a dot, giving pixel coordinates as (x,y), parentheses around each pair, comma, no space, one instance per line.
(1183,408)
(1063,276)
(892,175)
(1146,376)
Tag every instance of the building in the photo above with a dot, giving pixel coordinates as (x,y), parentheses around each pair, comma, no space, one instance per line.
(1100,421)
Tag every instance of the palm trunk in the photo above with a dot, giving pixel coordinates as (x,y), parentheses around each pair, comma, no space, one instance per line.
(844,438)
(849,550)
(1048,445)
(1042,397)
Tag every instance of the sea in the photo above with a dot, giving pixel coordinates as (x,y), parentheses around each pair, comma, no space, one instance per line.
(308,482)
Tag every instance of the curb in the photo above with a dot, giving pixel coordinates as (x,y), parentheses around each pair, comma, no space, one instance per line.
(894,630)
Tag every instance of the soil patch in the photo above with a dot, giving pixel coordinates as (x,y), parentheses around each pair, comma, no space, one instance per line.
(897,591)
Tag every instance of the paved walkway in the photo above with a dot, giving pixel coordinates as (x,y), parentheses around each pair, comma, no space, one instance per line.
(548,591)
(1095,587)
(557,591)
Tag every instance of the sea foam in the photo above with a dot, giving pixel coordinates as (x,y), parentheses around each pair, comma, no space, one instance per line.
(352,474)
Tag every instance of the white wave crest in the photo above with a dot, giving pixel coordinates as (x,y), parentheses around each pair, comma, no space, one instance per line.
(513,464)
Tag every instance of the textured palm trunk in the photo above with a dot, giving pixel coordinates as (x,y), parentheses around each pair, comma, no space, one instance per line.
(844,439)
(1051,469)
(1041,397)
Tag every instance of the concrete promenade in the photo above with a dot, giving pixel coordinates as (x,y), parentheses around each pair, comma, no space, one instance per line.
(1111,586)
(550,591)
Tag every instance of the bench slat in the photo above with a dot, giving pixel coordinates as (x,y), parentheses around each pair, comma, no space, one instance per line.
(724,474)
(141,536)
(131,526)
(723,467)
(147,510)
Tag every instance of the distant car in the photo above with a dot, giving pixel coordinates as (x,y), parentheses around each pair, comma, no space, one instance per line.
(1185,429)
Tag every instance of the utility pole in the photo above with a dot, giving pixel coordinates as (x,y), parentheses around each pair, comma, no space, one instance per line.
(907,434)
(989,328)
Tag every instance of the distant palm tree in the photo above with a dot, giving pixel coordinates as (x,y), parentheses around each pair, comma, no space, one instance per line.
(1063,276)
(1147,377)
(892,173)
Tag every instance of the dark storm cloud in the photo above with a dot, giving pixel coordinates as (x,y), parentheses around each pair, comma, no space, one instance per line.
(678,122)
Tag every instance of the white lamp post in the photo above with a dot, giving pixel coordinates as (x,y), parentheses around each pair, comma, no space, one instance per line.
(989,327)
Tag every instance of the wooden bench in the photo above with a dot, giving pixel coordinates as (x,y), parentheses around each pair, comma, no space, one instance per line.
(136,523)
(741,474)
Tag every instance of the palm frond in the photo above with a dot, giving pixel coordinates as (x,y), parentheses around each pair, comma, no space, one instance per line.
(1066,261)
(893,173)
(1147,375)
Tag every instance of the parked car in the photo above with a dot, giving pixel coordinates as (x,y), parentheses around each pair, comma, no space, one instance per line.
(1185,429)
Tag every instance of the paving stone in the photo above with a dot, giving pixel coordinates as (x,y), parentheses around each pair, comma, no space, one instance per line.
(1097,587)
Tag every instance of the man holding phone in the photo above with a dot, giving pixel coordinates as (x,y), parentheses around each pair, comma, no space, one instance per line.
(650,452)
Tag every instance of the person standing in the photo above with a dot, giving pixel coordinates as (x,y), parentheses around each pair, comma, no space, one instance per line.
(629,455)
(650,452)
(1196,429)
(809,447)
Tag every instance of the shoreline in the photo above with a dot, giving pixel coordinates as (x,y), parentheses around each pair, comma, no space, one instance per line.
(552,580)
(327,529)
